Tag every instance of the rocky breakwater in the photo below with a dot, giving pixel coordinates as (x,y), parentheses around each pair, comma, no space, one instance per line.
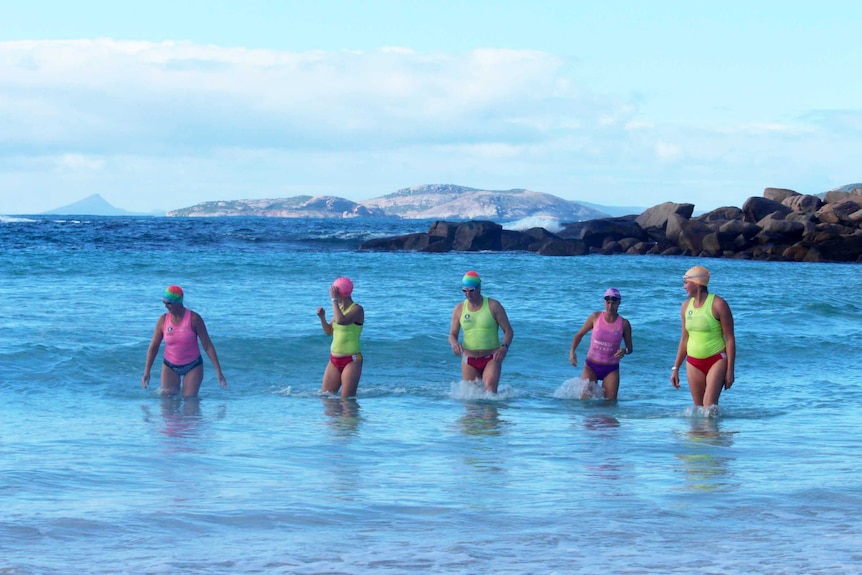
(781,225)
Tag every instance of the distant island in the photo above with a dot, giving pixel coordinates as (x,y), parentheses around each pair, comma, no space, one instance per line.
(435,201)
(95,205)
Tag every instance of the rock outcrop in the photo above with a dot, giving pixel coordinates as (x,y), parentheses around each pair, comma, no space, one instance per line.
(782,225)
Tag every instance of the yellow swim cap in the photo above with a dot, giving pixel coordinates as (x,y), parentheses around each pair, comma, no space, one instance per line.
(698,275)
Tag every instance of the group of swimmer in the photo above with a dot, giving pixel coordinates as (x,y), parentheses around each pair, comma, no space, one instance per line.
(707,344)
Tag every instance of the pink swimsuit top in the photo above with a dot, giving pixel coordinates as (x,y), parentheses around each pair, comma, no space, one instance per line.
(181,341)
(605,340)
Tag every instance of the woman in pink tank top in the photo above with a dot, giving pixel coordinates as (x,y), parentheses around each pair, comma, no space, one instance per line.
(180,329)
(603,357)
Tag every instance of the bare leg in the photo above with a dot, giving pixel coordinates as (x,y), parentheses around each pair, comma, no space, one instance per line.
(192,381)
(331,379)
(468,372)
(714,382)
(696,383)
(350,379)
(588,375)
(170,381)
(611,385)
(491,375)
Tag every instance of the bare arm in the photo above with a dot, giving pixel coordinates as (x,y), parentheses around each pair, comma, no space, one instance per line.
(455,329)
(152,350)
(681,349)
(502,319)
(356,314)
(579,335)
(627,339)
(327,327)
(201,329)
(721,310)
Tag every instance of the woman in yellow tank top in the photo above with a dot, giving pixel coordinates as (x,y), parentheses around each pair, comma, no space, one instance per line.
(707,344)
(345,360)
(482,353)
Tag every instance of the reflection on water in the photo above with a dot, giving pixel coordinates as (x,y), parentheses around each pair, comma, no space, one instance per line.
(344,416)
(707,459)
(601,422)
(481,419)
(180,418)
(604,464)
(482,422)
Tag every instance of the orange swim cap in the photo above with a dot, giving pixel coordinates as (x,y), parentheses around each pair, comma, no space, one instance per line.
(698,275)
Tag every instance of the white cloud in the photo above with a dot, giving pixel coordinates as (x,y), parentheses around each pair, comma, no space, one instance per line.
(132,96)
(175,123)
(666,152)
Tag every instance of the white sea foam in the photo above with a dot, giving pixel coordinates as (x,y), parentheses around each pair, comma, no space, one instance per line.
(473,390)
(550,224)
(13,220)
(577,388)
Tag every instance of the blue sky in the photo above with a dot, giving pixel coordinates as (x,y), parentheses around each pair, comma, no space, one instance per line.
(160,105)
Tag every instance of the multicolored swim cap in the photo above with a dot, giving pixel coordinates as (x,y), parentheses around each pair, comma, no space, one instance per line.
(698,275)
(613,292)
(471,279)
(344,285)
(173,294)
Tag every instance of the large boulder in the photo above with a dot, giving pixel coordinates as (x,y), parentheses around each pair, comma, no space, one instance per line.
(654,220)
(779,194)
(443,229)
(720,215)
(594,233)
(840,212)
(842,193)
(529,240)
(803,203)
(478,235)
(562,247)
(779,230)
(409,242)
(847,248)
(687,234)
(755,209)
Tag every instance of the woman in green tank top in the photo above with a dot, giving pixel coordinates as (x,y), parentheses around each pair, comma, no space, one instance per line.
(707,344)
(481,318)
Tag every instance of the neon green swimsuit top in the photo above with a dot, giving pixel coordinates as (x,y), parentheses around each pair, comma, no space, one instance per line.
(481,330)
(345,338)
(704,331)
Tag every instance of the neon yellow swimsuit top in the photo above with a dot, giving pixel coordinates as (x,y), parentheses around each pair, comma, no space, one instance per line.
(704,331)
(481,330)
(345,338)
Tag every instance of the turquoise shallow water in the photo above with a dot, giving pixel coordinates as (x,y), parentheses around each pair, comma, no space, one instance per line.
(421,473)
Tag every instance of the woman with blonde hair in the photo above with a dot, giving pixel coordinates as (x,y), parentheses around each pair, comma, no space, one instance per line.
(707,344)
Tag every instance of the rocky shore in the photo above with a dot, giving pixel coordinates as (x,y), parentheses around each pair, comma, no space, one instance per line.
(782,225)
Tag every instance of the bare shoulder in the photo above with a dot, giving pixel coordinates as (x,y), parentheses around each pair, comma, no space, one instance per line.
(720,305)
(197,320)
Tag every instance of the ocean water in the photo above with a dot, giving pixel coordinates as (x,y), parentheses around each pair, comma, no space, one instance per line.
(422,473)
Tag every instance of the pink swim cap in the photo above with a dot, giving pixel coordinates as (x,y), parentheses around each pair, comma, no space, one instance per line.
(344,285)
(613,292)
